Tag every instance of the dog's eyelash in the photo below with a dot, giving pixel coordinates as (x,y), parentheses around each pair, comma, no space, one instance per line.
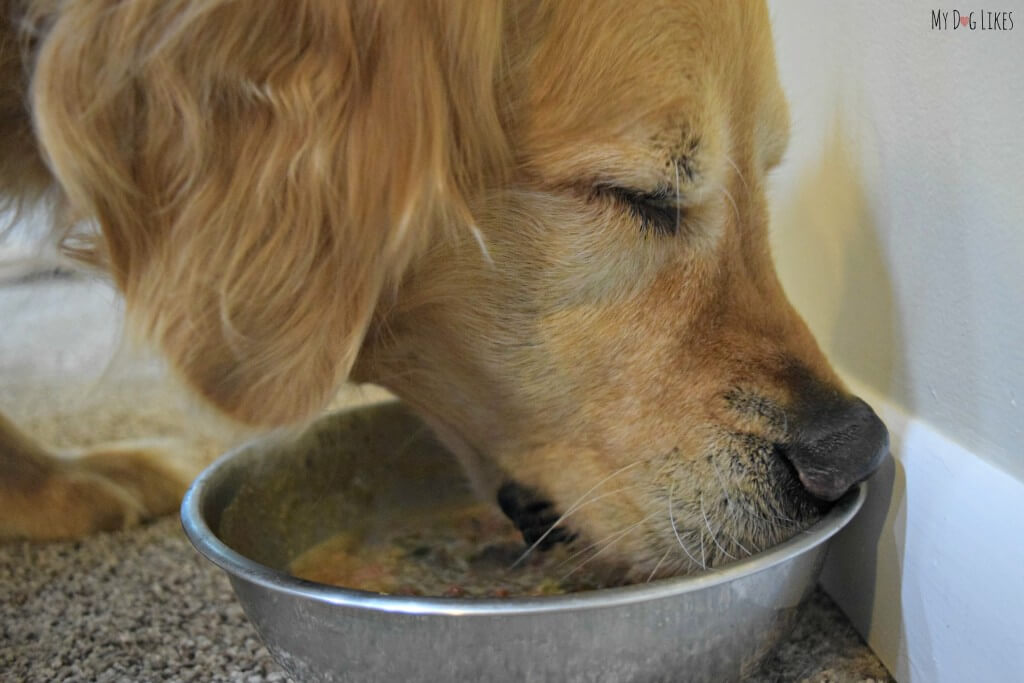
(656,210)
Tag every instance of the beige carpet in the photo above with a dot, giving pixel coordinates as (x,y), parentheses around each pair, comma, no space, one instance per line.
(140,605)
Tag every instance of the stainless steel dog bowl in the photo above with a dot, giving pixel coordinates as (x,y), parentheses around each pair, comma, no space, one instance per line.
(259,506)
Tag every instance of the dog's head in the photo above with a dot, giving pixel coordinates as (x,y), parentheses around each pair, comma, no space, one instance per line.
(542,224)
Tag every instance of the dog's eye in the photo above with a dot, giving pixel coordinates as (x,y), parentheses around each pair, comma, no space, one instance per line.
(659,210)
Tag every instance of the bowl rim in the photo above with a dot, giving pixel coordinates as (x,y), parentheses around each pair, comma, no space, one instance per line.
(238,566)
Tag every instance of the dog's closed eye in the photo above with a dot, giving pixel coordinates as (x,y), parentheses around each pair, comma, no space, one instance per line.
(658,210)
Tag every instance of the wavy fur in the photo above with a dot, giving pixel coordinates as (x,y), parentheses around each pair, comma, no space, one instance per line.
(265,163)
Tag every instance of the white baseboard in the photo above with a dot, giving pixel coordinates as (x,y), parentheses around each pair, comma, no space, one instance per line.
(931,572)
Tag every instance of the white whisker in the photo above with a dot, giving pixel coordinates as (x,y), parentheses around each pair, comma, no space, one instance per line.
(738,173)
(658,566)
(786,522)
(732,201)
(565,516)
(608,538)
(675,529)
(612,540)
(703,558)
(736,542)
(707,523)
(732,504)
(479,237)
(575,506)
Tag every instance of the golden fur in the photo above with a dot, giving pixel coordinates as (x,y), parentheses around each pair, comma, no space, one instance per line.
(463,201)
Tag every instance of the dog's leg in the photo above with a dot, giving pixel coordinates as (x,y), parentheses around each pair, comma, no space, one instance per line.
(44,496)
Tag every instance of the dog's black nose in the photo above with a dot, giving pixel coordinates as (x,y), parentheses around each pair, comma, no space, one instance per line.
(835,445)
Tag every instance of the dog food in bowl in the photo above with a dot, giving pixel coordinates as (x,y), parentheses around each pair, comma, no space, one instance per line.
(467,550)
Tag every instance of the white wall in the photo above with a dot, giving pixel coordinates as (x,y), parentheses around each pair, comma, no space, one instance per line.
(900,212)
(899,234)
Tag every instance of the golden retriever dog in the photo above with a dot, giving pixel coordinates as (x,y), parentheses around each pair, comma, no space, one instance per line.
(542,224)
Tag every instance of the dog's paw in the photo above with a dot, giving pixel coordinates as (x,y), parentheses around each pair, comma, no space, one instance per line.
(535,517)
(43,497)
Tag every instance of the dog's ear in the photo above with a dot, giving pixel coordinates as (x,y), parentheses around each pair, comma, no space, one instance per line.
(262,171)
